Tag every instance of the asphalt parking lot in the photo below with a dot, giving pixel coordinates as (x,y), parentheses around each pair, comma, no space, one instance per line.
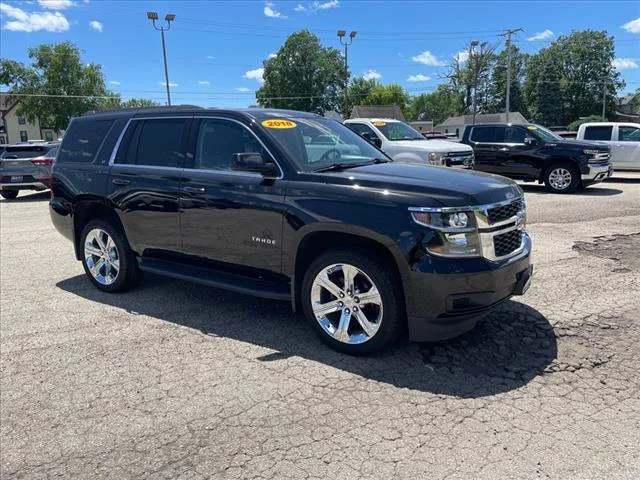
(178,380)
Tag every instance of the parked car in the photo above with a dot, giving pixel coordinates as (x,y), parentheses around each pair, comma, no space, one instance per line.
(26,167)
(405,144)
(622,138)
(231,198)
(532,153)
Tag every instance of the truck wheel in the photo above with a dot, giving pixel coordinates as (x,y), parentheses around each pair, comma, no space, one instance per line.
(106,257)
(9,194)
(562,178)
(353,301)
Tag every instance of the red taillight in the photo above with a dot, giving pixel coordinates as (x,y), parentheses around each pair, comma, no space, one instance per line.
(42,161)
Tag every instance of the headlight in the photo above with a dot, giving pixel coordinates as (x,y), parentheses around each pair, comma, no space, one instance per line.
(434,158)
(454,233)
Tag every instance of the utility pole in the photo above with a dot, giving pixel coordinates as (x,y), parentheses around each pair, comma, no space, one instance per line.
(508,33)
(346,43)
(604,100)
(474,60)
(170,17)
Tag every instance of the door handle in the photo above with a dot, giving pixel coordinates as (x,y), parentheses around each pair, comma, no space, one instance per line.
(193,189)
(120,181)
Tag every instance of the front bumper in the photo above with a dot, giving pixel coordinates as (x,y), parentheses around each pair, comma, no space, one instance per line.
(597,173)
(448,297)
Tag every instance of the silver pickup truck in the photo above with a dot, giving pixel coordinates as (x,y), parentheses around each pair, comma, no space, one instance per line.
(26,167)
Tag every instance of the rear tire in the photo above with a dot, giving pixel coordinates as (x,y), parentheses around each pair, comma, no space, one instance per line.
(9,194)
(107,258)
(562,178)
(362,315)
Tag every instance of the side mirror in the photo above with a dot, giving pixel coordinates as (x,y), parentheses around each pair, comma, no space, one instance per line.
(253,162)
(371,138)
(530,141)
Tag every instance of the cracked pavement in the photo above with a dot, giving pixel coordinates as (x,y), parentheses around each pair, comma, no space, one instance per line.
(177,380)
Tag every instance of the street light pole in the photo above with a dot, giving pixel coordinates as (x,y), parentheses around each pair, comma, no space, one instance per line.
(474,60)
(346,42)
(170,17)
(508,34)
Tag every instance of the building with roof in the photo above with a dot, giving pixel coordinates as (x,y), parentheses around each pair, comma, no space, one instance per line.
(628,108)
(16,128)
(456,124)
(378,111)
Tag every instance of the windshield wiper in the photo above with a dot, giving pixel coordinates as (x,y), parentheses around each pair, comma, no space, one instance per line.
(344,165)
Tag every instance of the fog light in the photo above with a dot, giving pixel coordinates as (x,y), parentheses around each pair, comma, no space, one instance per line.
(459,220)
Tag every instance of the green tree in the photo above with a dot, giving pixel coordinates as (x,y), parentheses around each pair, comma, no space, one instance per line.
(392,94)
(496,101)
(56,70)
(359,89)
(437,105)
(115,102)
(592,118)
(567,80)
(304,75)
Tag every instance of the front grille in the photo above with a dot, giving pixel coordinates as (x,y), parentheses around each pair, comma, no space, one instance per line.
(504,212)
(506,243)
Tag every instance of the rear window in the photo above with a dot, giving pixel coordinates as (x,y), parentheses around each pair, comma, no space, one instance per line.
(154,142)
(82,140)
(598,133)
(28,151)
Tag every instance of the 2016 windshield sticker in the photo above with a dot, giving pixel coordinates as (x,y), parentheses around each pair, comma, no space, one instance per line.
(279,123)
(379,124)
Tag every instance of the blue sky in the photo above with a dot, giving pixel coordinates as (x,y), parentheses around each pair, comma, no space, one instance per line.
(215,48)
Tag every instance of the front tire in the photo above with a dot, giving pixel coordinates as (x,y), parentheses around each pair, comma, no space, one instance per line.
(562,178)
(353,301)
(9,194)
(107,258)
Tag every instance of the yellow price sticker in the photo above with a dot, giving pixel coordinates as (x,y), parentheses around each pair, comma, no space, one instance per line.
(379,124)
(532,127)
(279,123)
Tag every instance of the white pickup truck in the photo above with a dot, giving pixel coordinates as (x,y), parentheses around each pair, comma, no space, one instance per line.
(622,138)
(404,144)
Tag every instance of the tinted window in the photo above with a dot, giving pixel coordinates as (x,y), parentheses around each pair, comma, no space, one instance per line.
(514,135)
(629,134)
(155,143)
(82,140)
(598,133)
(30,151)
(109,143)
(219,140)
(485,134)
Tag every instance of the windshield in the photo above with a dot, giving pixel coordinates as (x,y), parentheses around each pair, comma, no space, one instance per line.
(395,131)
(317,142)
(543,133)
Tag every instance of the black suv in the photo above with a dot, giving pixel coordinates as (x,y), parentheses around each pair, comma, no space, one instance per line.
(246,200)
(532,153)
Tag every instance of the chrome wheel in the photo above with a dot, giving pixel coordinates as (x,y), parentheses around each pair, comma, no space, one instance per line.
(101,256)
(346,303)
(560,178)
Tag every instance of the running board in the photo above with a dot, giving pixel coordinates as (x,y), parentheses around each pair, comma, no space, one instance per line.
(217,279)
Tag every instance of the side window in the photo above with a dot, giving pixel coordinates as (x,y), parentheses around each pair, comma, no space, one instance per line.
(21,120)
(361,128)
(218,140)
(82,140)
(484,134)
(628,134)
(514,135)
(598,133)
(154,142)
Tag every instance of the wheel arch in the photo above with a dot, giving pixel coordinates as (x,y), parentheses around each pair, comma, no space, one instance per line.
(318,239)
(88,208)
(557,160)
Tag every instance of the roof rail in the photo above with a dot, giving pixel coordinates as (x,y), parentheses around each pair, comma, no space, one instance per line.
(158,108)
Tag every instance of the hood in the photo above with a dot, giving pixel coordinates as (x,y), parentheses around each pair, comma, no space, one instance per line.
(432,145)
(435,186)
(579,144)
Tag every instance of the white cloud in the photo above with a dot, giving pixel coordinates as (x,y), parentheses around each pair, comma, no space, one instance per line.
(418,78)
(56,4)
(96,25)
(541,35)
(462,56)
(428,58)
(316,6)
(371,75)
(204,83)
(242,89)
(625,63)
(633,26)
(164,84)
(114,82)
(272,55)
(271,12)
(255,74)
(32,22)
